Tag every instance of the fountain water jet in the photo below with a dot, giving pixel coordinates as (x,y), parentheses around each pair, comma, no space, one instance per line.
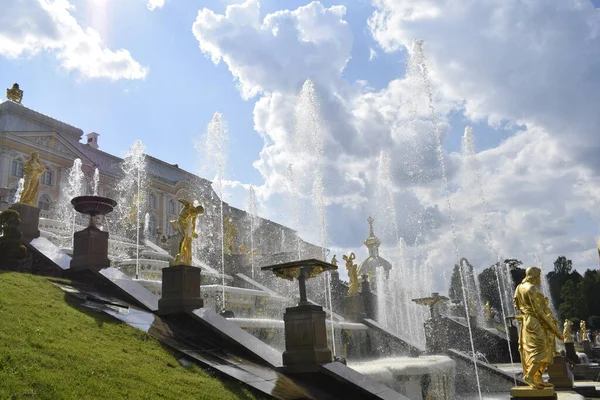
(74,188)
(252,212)
(418,65)
(19,190)
(215,160)
(96,181)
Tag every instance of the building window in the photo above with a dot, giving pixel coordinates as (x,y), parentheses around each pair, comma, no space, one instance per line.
(48,178)
(172,209)
(152,201)
(17,168)
(44,203)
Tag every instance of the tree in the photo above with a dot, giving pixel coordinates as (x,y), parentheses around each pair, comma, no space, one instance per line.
(488,286)
(563,271)
(590,288)
(455,290)
(572,304)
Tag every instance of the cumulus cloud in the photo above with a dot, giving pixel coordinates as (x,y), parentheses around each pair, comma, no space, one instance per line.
(537,193)
(154,4)
(28,27)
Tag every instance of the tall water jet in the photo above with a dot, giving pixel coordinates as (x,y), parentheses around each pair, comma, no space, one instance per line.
(147,226)
(310,134)
(215,161)
(75,187)
(131,202)
(96,181)
(469,154)
(19,190)
(252,214)
(418,72)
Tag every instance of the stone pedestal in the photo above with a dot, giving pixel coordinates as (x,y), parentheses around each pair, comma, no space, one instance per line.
(560,373)
(180,290)
(30,219)
(90,250)
(587,348)
(526,392)
(354,308)
(570,351)
(305,339)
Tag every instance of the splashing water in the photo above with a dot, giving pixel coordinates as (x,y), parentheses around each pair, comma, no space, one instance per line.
(252,213)
(96,181)
(131,202)
(469,154)
(215,161)
(74,188)
(147,226)
(310,133)
(418,65)
(19,190)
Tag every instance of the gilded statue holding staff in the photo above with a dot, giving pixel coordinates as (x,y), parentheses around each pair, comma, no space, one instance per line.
(352,274)
(185,225)
(538,331)
(32,171)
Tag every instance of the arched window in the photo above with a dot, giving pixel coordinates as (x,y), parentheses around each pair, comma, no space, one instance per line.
(44,202)
(172,209)
(17,168)
(152,201)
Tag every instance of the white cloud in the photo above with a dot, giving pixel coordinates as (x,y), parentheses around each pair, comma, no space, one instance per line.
(154,4)
(28,27)
(538,194)
(372,54)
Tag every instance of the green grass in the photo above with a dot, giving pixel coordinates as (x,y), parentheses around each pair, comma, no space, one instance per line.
(50,348)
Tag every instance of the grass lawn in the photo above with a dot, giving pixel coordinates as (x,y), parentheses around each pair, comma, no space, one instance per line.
(50,348)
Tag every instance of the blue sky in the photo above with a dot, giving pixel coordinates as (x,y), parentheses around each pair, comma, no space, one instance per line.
(523,74)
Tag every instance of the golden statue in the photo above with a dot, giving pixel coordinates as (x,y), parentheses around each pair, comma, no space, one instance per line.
(334,261)
(31,172)
(488,310)
(352,274)
(229,233)
(538,329)
(185,225)
(583,330)
(14,94)
(567,336)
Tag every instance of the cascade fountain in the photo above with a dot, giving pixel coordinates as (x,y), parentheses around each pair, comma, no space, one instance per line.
(419,74)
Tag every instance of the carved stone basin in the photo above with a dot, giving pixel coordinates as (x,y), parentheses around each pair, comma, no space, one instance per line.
(93,205)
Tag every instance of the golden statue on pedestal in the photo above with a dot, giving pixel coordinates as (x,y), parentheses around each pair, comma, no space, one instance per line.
(185,225)
(583,330)
(567,336)
(14,94)
(538,329)
(31,173)
(229,233)
(352,274)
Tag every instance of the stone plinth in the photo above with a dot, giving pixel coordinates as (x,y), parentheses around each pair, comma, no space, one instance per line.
(560,373)
(354,308)
(526,392)
(571,353)
(180,290)
(90,250)
(305,339)
(587,348)
(30,218)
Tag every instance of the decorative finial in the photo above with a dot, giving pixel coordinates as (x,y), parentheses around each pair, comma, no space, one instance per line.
(15,94)
(370,220)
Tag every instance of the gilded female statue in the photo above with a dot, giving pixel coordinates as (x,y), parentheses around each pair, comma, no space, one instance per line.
(31,172)
(185,225)
(567,336)
(538,329)
(352,274)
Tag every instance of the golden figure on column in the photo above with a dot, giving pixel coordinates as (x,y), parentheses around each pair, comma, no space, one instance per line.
(15,93)
(538,329)
(31,173)
(567,336)
(185,225)
(352,274)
